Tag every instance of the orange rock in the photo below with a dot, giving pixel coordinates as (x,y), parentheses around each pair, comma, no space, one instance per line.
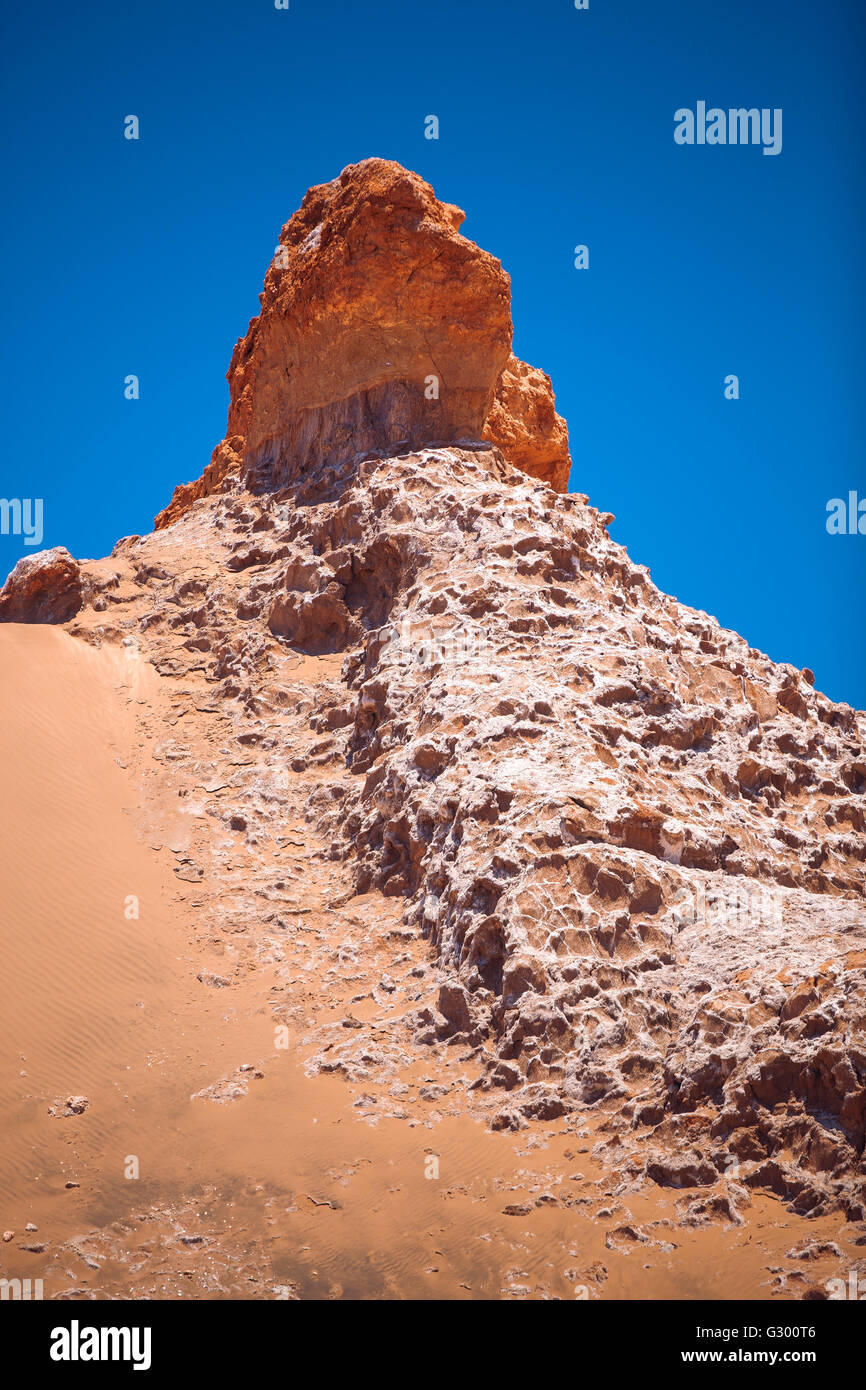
(523,423)
(381,328)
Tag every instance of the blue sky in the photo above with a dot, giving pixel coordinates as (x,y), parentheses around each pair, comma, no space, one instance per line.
(556,128)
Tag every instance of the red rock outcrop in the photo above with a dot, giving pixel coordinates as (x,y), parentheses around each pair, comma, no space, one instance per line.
(381,328)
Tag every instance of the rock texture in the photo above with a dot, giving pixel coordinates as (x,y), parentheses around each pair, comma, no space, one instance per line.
(634,844)
(381,328)
(524,425)
(42,588)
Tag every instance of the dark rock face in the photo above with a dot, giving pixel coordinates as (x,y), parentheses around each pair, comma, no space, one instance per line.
(42,588)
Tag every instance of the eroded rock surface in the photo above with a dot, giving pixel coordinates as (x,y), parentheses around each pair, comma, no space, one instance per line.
(524,425)
(42,588)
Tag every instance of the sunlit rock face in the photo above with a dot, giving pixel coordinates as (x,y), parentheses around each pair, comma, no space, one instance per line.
(381,328)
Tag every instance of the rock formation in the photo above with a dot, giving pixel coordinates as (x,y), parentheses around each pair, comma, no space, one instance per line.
(524,425)
(42,588)
(381,329)
(634,843)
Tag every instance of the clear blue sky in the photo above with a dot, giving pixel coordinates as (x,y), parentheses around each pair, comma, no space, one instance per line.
(556,129)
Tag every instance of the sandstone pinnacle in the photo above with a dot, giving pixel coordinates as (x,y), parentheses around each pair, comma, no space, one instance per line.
(381,328)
